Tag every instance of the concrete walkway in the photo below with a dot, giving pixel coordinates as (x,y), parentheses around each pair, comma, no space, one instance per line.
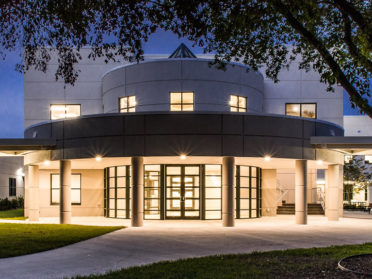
(171,240)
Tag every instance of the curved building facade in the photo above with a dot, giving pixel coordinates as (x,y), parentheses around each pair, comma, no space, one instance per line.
(176,138)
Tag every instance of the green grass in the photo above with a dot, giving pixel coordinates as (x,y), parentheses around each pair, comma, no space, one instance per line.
(13,214)
(22,239)
(297,263)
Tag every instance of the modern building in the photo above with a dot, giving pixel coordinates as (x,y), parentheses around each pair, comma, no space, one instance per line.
(11,177)
(176,138)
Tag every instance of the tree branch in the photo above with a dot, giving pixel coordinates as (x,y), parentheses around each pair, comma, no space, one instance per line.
(347,8)
(318,45)
(353,49)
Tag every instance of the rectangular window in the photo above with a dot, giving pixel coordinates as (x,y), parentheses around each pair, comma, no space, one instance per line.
(301,110)
(182,101)
(238,103)
(12,187)
(127,104)
(213,183)
(64,111)
(75,188)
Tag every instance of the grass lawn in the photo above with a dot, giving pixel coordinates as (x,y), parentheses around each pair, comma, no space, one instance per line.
(22,239)
(297,263)
(13,214)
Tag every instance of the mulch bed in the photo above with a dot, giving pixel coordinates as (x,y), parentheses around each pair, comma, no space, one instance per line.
(361,264)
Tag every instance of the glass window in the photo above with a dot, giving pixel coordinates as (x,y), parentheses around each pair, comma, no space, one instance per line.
(182,101)
(301,110)
(152,191)
(75,188)
(127,104)
(64,111)
(238,103)
(12,187)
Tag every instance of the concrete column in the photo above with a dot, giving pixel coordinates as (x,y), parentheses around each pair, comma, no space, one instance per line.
(369,193)
(228,185)
(137,191)
(335,182)
(301,192)
(269,192)
(65,192)
(341,192)
(33,191)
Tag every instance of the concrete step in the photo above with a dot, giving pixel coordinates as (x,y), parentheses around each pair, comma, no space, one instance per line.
(289,209)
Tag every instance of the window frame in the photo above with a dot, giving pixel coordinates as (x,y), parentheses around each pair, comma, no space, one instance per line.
(51,188)
(182,104)
(316,109)
(128,107)
(50,111)
(238,107)
(12,187)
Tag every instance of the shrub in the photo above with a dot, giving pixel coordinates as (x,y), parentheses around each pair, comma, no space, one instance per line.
(6,204)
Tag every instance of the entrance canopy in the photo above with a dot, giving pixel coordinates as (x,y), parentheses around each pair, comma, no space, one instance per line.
(9,147)
(346,145)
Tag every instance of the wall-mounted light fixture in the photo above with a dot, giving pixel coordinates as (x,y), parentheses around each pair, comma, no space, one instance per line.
(98,158)
(183,156)
(267,158)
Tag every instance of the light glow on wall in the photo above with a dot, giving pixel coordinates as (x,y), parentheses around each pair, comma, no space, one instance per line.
(46,163)
(20,172)
(319,162)
(267,158)
(98,158)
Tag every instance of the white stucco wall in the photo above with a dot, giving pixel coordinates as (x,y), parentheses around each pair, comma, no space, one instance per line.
(357,125)
(295,86)
(9,167)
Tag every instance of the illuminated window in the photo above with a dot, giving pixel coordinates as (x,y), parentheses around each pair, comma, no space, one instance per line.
(127,104)
(301,110)
(238,103)
(182,101)
(64,111)
(75,189)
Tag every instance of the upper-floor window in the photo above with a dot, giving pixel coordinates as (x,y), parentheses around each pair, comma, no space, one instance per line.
(238,103)
(127,104)
(301,110)
(63,111)
(182,101)
(12,187)
(75,188)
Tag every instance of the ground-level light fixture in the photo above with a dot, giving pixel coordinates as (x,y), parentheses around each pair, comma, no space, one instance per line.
(46,163)
(267,158)
(98,158)
(183,156)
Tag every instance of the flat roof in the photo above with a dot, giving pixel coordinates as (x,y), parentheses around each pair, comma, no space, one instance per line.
(19,146)
(349,145)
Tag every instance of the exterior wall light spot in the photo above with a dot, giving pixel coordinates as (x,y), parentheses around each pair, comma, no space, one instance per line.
(46,163)
(20,172)
(267,158)
(319,162)
(98,158)
(183,156)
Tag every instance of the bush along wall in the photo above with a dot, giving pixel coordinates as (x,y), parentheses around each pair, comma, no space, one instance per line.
(6,204)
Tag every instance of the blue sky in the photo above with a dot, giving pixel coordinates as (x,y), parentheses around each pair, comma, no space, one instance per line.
(11,84)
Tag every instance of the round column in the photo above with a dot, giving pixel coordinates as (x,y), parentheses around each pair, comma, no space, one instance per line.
(301,192)
(137,191)
(335,181)
(228,199)
(65,192)
(33,190)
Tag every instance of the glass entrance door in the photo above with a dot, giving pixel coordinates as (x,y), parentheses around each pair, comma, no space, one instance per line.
(182,192)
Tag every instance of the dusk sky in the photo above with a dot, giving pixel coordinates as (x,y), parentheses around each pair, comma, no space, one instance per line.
(11,84)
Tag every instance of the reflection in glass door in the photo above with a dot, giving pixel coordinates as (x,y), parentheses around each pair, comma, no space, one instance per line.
(182,192)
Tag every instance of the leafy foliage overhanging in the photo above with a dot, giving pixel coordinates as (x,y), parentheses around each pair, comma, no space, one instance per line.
(333,37)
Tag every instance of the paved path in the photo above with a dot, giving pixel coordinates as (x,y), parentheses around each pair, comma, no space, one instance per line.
(159,241)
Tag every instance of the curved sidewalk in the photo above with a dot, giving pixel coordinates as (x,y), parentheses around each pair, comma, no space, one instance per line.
(171,240)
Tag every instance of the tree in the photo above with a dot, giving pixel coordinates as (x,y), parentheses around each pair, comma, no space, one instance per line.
(333,37)
(356,176)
